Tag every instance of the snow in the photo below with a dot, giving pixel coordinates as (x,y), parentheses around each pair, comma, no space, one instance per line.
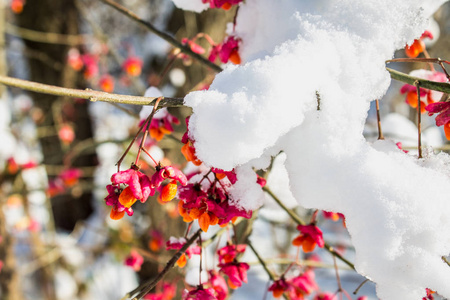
(196,6)
(394,203)
(278,181)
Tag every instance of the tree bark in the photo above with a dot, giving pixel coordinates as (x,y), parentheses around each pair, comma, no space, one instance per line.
(59,17)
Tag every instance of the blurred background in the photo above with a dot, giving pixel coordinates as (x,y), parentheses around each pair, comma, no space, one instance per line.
(57,154)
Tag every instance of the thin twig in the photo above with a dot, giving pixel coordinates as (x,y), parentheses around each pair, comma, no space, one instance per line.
(380,132)
(46,37)
(263,263)
(343,259)
(419,119)
(445,70)
(446,260)
(148,285)
(360,286)
(290,212)
(167,37)
(313,217)
(150,156)
(201,262)
(88,93)
(299,221)
(125,110)
(303,263)
(428,84)
(318,100)
(112,49)
(427,60)
(219,233)
(119,162)
(338,278)
(438,61)
(147,124)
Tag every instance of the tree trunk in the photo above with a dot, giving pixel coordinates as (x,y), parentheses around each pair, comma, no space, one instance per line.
(58,17)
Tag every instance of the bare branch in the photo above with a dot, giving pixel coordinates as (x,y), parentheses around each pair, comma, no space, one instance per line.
(147,286)
(165,36)
(428,84)
(88,93)
(299,221)
(47,37)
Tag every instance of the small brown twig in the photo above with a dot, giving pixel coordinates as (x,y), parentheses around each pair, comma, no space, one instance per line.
(149,155)
(445,70)
(147,126)
(88,93)
(263,264)
(446,260)
(46,37)
(426,60)
(313,217)
(360,286)
(261,261)
(201,261)
(438,61)
(119,162)
(419,120)
(428,84)
(299,221)
(340,290)
(380,132)
(185,49)
(144,288)
(427,55)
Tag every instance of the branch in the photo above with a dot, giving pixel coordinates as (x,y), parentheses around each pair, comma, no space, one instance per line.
(46,37)
(147,286)
(165,36)
(88,93)
(431,85)
(112,49)
(290,212)
(261,261)
(299,221)
(263,264)
(426,60)
(438,61)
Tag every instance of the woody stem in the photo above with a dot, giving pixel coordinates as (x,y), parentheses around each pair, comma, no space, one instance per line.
(288,268)
(131,144)
(183,48)
(428,84)
(201,261)
(148,285)
(445,70)
(146,152)
(188,229)
(263,264)
(380,132)
(360,286)
(148,121)
(419,120)
(314,216)
(299,221)
(205,176)
(338,278)
(425,52)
